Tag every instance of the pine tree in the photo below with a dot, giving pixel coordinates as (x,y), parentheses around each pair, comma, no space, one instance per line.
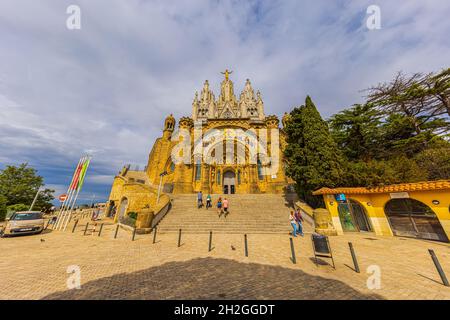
(3,208)
(356,131)
(313,159)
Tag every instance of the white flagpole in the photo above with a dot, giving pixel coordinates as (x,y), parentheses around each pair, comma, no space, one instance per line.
(68,196)
(69,214)
(65,211)
(64,208)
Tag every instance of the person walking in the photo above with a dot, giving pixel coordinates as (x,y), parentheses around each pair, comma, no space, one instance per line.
(225,206)
(219,206)
(299,220)
(293,224)
(199,199)
(208,201)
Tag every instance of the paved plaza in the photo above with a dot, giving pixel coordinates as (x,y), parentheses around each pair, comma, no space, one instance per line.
(35,267)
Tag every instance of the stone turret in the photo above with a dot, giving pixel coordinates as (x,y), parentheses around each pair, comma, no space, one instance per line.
(195,106)
(249,105)
(260,106)
(169,126)
(205,106)
(272,122)
(186,123)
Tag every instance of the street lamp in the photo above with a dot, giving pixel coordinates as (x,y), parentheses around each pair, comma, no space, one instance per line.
(35,199)
(161,175)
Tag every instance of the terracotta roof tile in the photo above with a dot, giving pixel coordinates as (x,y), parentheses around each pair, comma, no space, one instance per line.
(414,186)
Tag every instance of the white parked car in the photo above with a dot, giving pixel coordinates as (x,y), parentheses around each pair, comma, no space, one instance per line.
(24,222)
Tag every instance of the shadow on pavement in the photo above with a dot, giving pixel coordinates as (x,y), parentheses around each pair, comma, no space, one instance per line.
(211,278)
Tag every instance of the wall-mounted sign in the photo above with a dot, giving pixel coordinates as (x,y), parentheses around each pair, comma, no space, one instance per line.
(340,197)
(399,195)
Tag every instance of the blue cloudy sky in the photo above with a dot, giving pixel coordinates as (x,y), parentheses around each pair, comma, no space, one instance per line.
(105,89)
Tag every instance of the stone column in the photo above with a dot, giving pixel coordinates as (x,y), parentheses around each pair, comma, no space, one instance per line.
(205,178)
(181,182)
(323,222)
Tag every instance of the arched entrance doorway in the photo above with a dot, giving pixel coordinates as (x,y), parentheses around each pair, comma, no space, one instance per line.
(353,216)
(229,182)
(111,209)
(123,207)
(412,218)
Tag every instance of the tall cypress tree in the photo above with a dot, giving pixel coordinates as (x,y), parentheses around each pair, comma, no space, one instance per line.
(313,159)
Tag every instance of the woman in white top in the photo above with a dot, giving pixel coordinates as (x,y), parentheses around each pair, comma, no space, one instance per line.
(293,222)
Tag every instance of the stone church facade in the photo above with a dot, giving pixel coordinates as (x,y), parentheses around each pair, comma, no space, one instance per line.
(212,136)
(225,115)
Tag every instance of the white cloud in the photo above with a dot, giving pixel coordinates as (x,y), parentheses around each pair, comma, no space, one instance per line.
(107,87)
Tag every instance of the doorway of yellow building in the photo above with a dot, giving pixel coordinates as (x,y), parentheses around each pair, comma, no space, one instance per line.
(123,207)
(412,218)
(229,182)
(353,216)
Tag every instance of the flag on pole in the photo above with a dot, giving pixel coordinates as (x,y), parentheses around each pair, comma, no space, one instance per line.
(70,192)
(83,173)
(74,185)
(77,187)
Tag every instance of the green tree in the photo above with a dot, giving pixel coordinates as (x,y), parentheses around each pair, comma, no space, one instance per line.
(438,87)
(410,97)
(435,162)
(406,169)
(18,207)
(370,173)
(313,159)
(3,208)
(20,184)
(356,131)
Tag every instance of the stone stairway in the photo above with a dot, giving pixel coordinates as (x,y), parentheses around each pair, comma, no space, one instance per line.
(249,213)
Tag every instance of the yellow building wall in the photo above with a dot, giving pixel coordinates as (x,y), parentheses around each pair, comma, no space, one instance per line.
(374,206)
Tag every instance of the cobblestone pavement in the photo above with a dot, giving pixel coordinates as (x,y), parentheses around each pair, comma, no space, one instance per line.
(35,267)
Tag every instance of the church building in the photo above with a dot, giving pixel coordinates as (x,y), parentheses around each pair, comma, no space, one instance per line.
(213,136)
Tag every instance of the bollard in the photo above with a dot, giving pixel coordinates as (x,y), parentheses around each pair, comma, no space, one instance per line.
(154,234)
(74,226)
(355,262)
(134,234)
(294,261)
(179,238)
(210,240)
(245,245)
(100,230)
(85,229)
(117,230)
(439,268)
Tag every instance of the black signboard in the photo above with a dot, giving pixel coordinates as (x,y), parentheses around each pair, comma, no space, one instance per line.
(321,247)
(320,243)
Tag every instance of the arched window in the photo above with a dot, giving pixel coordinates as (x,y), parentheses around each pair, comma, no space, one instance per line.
(239,176)
(172,167)
(412,218)
(198,170)
(260,174)
(218,177)
(353,216)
